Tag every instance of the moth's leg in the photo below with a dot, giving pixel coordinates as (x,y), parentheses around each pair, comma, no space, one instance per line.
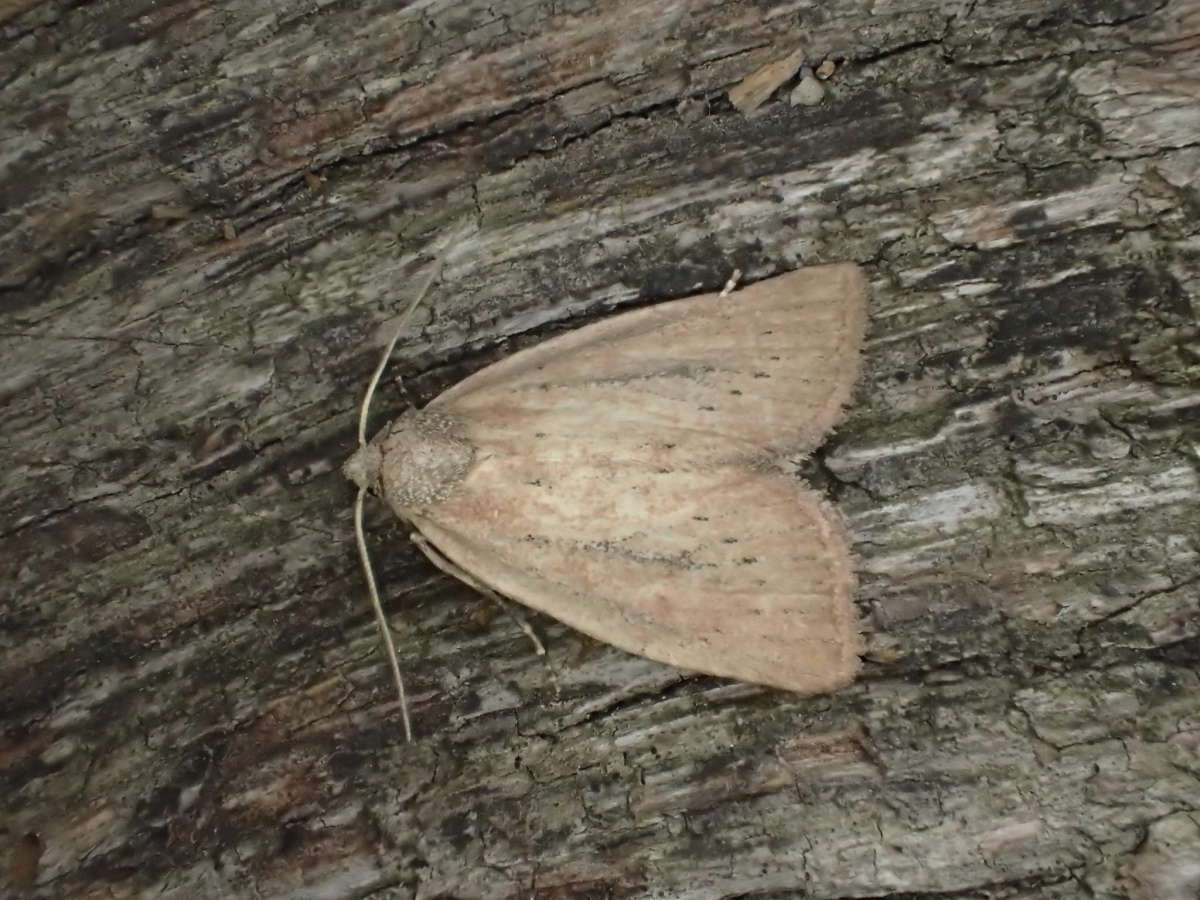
(470,580)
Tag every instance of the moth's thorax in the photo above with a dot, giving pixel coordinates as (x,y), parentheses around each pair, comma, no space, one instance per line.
(363,467)
(423,456)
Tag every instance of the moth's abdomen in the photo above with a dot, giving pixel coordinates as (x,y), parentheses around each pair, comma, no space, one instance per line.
(425,456)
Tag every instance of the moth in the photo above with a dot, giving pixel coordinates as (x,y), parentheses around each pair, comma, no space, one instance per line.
(629,479)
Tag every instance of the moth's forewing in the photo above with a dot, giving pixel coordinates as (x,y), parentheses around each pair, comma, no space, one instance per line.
(769,367)
(724,570)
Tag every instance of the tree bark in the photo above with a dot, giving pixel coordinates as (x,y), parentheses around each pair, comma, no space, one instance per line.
(212,215)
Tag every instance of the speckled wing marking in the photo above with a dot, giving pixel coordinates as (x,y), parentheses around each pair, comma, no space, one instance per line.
(623,480)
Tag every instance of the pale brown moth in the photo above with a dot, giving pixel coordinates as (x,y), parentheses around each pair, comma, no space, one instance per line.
(627,478)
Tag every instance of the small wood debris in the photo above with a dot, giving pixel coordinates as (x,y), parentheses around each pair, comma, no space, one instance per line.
(169,211)
(756,88)
(809,91)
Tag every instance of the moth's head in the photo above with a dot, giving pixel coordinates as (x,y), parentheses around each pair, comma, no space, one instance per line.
(363,467)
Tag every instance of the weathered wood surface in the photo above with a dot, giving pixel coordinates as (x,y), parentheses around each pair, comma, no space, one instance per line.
(211,212)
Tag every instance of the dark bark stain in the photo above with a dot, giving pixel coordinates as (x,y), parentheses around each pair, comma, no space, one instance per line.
(82,536)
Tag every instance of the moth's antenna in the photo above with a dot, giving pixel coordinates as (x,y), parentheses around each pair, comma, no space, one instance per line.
(434,271)
(359,535)
(384,629)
